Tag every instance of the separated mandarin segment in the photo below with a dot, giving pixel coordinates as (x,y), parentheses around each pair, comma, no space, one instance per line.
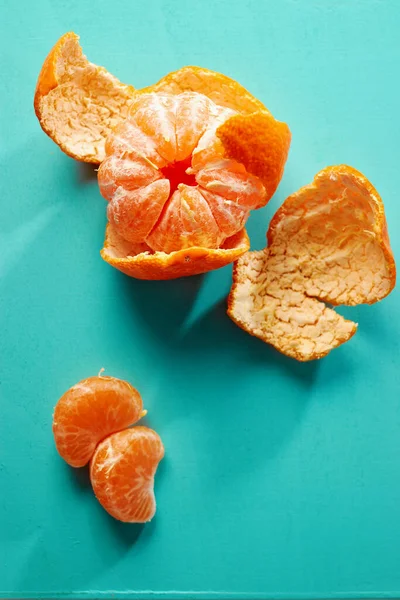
(90,411)
(122,473)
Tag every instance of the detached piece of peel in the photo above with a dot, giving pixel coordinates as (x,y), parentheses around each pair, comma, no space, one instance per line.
(140,262)
(78,103)
(327,243)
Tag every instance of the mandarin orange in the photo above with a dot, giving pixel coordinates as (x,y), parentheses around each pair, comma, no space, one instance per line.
(169,143)
(149,226)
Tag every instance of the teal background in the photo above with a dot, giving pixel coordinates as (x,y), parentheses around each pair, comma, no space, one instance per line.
(280,479)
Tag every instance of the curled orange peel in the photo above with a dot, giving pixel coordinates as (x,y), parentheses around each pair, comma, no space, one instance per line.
(78,103)
(328,243)
(140,262)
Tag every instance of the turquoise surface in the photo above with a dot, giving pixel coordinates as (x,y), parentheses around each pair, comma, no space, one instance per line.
(280,479)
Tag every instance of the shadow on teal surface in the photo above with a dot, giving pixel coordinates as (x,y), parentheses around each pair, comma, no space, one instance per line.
(225,353)
(113,540)
(87,173)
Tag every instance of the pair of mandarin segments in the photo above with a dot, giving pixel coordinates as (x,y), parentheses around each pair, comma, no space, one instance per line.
(92,425)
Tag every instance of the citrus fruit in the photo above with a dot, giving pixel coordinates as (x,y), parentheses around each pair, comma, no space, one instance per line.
(78,103)
(171,186)
(149,173)
(166,178)
(91,410)
(328,243)
(122,473)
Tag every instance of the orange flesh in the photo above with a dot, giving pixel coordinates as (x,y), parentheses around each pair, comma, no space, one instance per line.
(122,473)
(91,410)
(173,138)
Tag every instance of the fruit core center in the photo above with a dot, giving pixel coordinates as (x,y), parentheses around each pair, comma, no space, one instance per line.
(176,173)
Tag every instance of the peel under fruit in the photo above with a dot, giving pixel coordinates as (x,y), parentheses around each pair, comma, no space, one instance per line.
(140,262)
(328,243)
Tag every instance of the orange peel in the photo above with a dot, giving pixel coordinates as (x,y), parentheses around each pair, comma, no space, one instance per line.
(328,243)
(78,103)
(260,143)
(222,90)
(140,262)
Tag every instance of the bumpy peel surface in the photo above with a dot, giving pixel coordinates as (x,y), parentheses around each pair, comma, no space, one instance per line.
(327,243)
(78,103)
(122,473)
(91,410)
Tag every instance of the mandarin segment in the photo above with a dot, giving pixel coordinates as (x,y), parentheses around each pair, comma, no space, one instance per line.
(186,222)
(122,473)
(134,213)
(154,114)
(196,110)
(91,410)
(128,140)
(227,214)
(327,243)
(115,172)
(229,179)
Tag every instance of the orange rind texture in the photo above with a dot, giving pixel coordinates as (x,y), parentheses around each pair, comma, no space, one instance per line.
(222,90)
(78,103)
(260,143)
(327,243)
(140,262)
